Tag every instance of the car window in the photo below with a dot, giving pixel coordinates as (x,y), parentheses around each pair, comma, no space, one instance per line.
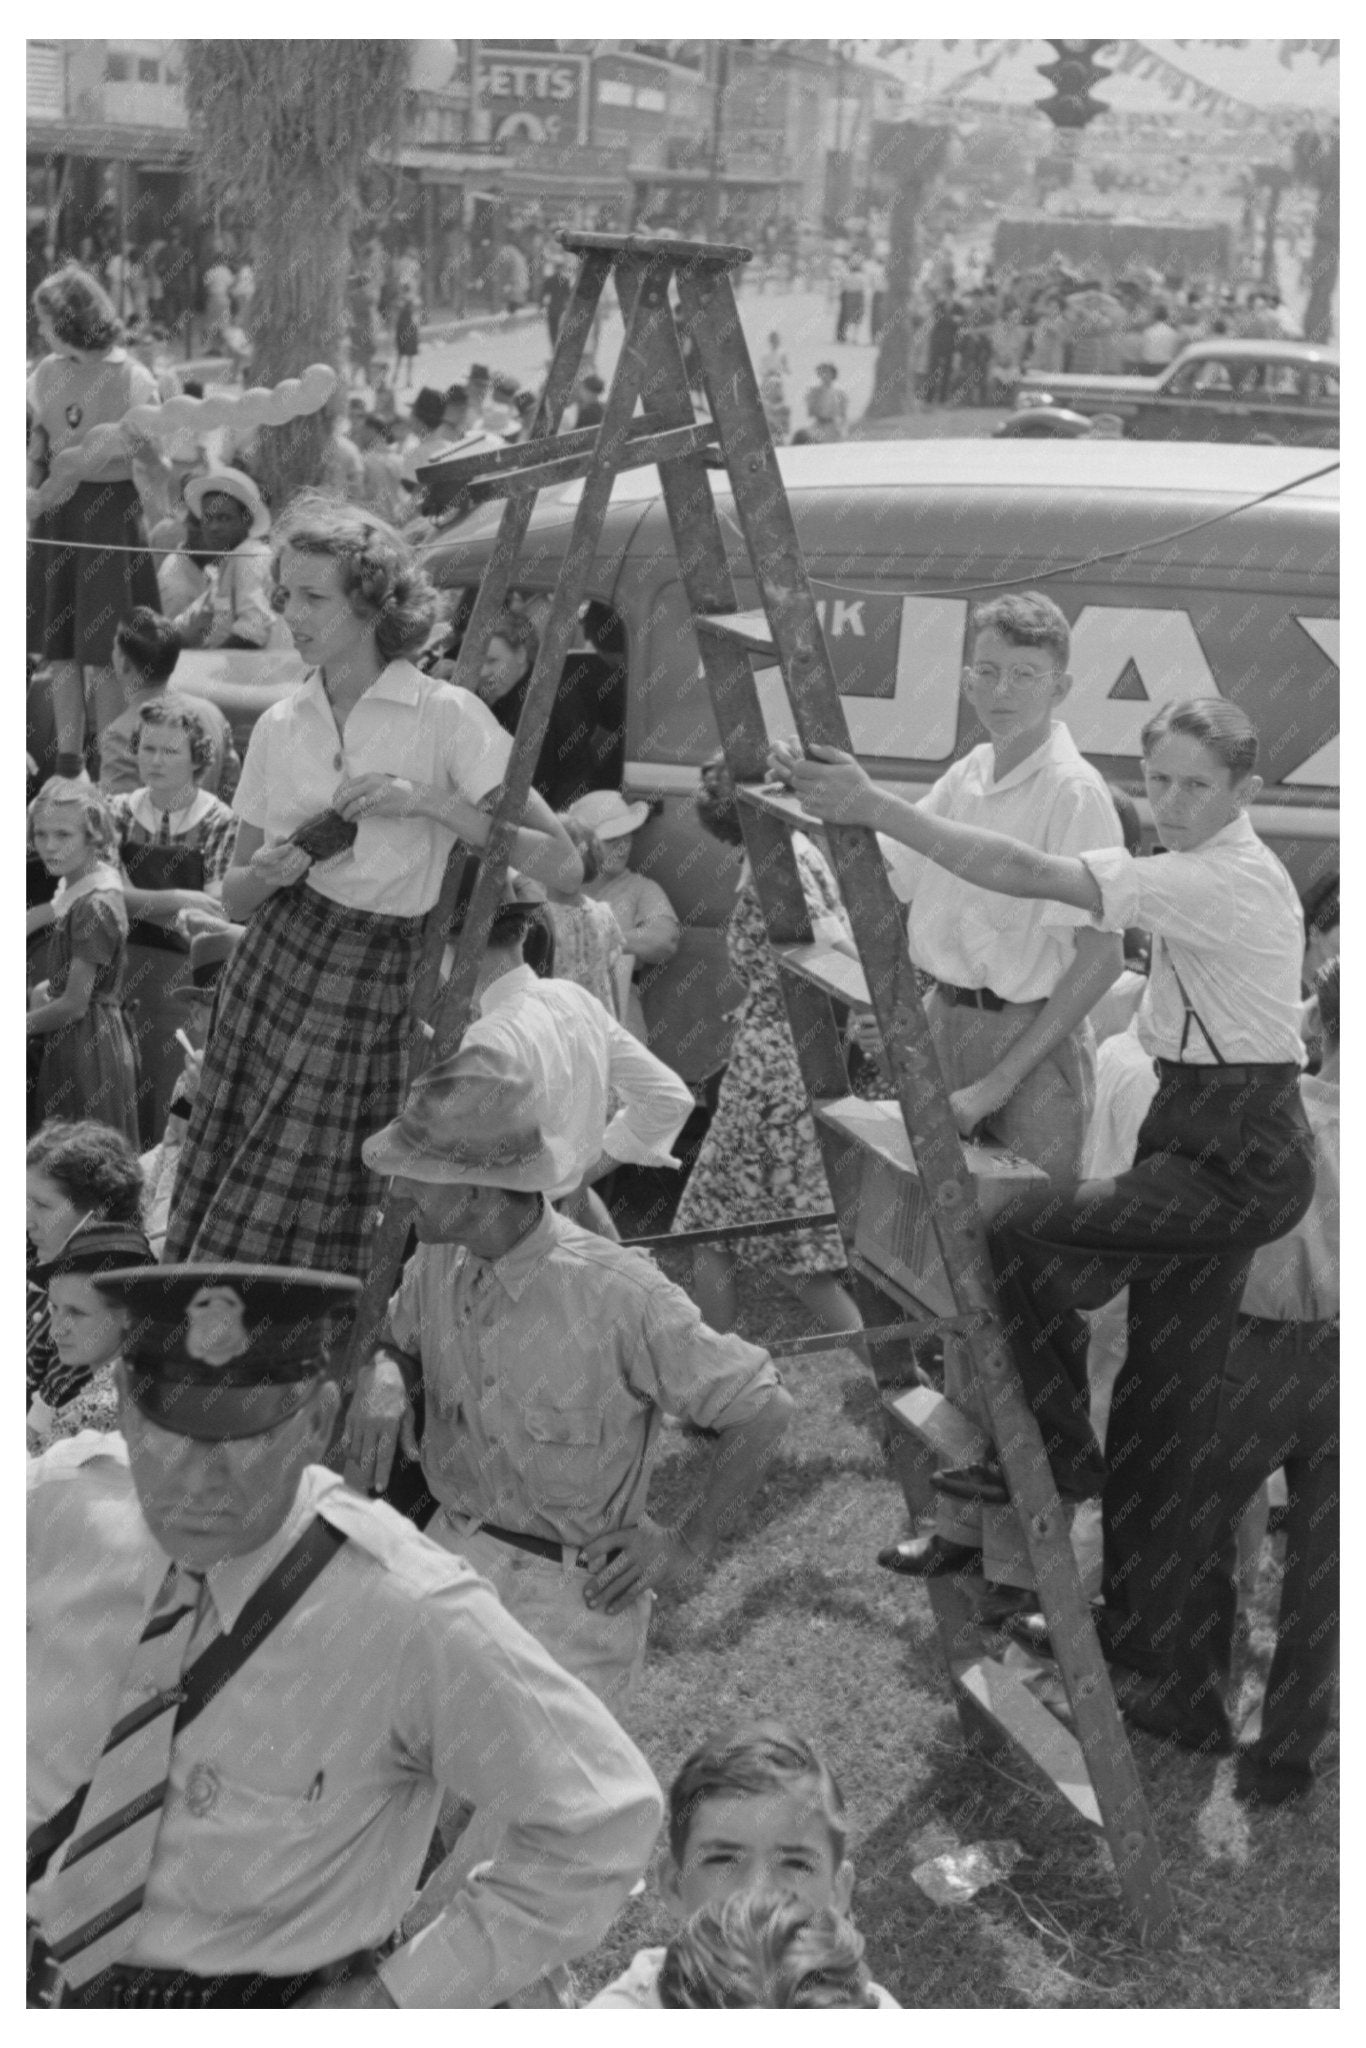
(1323,388)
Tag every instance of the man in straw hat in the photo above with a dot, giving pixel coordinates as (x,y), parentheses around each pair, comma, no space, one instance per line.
(236,608)
(250,1689)
(549,1358)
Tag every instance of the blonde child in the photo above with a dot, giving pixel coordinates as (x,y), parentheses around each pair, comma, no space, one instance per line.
(87,1063)
(766,1949)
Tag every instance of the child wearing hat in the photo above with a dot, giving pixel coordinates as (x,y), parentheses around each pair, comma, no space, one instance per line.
(88,1333)
(646,918)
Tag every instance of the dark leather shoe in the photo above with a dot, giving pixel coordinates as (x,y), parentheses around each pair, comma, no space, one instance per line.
(984,1481)
(929,1557)
(1148,1704)
(1256,1784)
(1030,1630)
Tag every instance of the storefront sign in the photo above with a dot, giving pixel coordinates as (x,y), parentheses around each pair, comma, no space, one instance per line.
(533,98)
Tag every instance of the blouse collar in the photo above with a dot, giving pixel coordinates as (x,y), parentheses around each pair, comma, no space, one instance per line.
(101,876)
(149,815)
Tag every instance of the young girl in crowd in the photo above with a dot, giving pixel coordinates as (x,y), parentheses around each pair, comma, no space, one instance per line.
(87,1065)
(588,946)
(176,844)
(1224,1161)
(78,1175)
(87,1333)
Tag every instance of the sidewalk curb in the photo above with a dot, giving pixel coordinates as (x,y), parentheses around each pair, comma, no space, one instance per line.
(468,323)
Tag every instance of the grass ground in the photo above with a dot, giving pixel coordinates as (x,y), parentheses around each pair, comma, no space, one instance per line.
(797,1619)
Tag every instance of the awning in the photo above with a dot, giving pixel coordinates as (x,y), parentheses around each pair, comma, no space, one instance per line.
(154,149)
(734,181)
(444,166)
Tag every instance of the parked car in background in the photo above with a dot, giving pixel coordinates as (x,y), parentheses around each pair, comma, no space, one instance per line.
(1283,391)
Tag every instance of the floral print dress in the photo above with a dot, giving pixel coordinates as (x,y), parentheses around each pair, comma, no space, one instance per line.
(760,1156)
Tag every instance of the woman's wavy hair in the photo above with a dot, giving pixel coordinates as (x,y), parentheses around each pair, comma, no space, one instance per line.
(78,309)
(181,719)
(96,816)
(94,1166)
(381,575)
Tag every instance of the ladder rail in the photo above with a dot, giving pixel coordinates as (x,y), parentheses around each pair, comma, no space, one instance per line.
(765,519)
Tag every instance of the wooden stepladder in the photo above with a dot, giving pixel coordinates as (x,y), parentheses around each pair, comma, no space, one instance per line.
(908,1200)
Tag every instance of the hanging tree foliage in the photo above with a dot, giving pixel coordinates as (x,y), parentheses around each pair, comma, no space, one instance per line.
(286,130)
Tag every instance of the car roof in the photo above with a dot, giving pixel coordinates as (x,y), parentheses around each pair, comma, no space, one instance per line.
(1311,352)
(1143,473)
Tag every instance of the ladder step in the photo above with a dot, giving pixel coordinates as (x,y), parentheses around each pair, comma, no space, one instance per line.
(648,449)
(829,969)
(938,1425)
(749,631)
(1007,1703)
(878,1127)
(723,255)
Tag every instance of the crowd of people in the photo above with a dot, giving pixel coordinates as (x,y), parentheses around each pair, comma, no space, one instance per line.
(229,1080)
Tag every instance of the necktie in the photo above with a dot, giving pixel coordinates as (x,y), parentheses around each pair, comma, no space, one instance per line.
(164,830)
(96,1893)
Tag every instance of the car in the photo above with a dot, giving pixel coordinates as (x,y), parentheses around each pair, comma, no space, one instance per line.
(1183,571)
(1217,390)
(1043,423)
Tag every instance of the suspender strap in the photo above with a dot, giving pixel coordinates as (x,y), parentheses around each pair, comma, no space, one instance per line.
(1192,1014)
(202,1681)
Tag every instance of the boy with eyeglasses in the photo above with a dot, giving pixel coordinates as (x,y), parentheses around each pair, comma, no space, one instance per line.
(1014,982)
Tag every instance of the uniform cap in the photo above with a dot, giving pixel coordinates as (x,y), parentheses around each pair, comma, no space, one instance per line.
(223,1351)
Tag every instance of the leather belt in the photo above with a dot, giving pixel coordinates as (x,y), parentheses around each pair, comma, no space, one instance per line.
(132,1985)
(539,1546)
(1249,1075)
(971,998)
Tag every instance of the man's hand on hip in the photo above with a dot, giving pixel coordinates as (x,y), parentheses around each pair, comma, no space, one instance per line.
(648,1556)
(380,1418)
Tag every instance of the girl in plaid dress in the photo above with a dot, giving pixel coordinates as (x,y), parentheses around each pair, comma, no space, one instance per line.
(308,1043)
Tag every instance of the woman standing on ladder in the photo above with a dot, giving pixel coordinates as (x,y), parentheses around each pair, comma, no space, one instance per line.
(1224,1162)
(311,1027)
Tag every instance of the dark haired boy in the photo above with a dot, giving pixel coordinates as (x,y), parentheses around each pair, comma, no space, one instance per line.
(146,650)
(753,1806)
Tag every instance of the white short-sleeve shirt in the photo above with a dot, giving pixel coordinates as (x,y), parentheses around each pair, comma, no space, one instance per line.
(975,938)
(406,724)
(1226,920)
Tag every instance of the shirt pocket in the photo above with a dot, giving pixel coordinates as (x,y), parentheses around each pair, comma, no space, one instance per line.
(565,1458)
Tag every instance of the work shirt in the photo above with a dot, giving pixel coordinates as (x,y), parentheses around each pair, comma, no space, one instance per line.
(549,1372)
(70,396)
(1226,915)
(977,938)
(582,1060)
(406,724)
(302,1800)
(241,582)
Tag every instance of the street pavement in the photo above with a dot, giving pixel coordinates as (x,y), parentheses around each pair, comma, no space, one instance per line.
(805,320)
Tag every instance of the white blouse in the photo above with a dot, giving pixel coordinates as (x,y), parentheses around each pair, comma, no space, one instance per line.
(406,724)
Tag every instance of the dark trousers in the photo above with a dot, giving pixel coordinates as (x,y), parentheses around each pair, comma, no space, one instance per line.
(1278,1406)
(1224,1164)
(939,382)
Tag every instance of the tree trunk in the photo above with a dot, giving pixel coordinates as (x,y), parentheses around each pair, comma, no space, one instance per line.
(915,158)
(301,253)
(1323,269)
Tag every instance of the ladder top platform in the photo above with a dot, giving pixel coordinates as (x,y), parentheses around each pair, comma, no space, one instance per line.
(879,1127)
(677,248)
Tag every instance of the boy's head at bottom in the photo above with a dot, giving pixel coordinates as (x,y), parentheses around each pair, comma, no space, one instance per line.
(755,1806)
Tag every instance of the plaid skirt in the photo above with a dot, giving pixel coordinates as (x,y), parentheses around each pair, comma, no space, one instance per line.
(306,1058)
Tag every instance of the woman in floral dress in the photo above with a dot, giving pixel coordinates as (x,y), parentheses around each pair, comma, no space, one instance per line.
(760,1156)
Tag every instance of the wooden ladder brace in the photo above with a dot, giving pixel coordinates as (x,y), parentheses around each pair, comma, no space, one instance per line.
(915,1138)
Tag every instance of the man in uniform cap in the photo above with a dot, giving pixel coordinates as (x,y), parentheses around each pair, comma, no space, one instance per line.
(549,1358)
(249,1689)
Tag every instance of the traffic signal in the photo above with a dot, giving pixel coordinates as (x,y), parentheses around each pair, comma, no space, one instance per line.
(1071,76)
